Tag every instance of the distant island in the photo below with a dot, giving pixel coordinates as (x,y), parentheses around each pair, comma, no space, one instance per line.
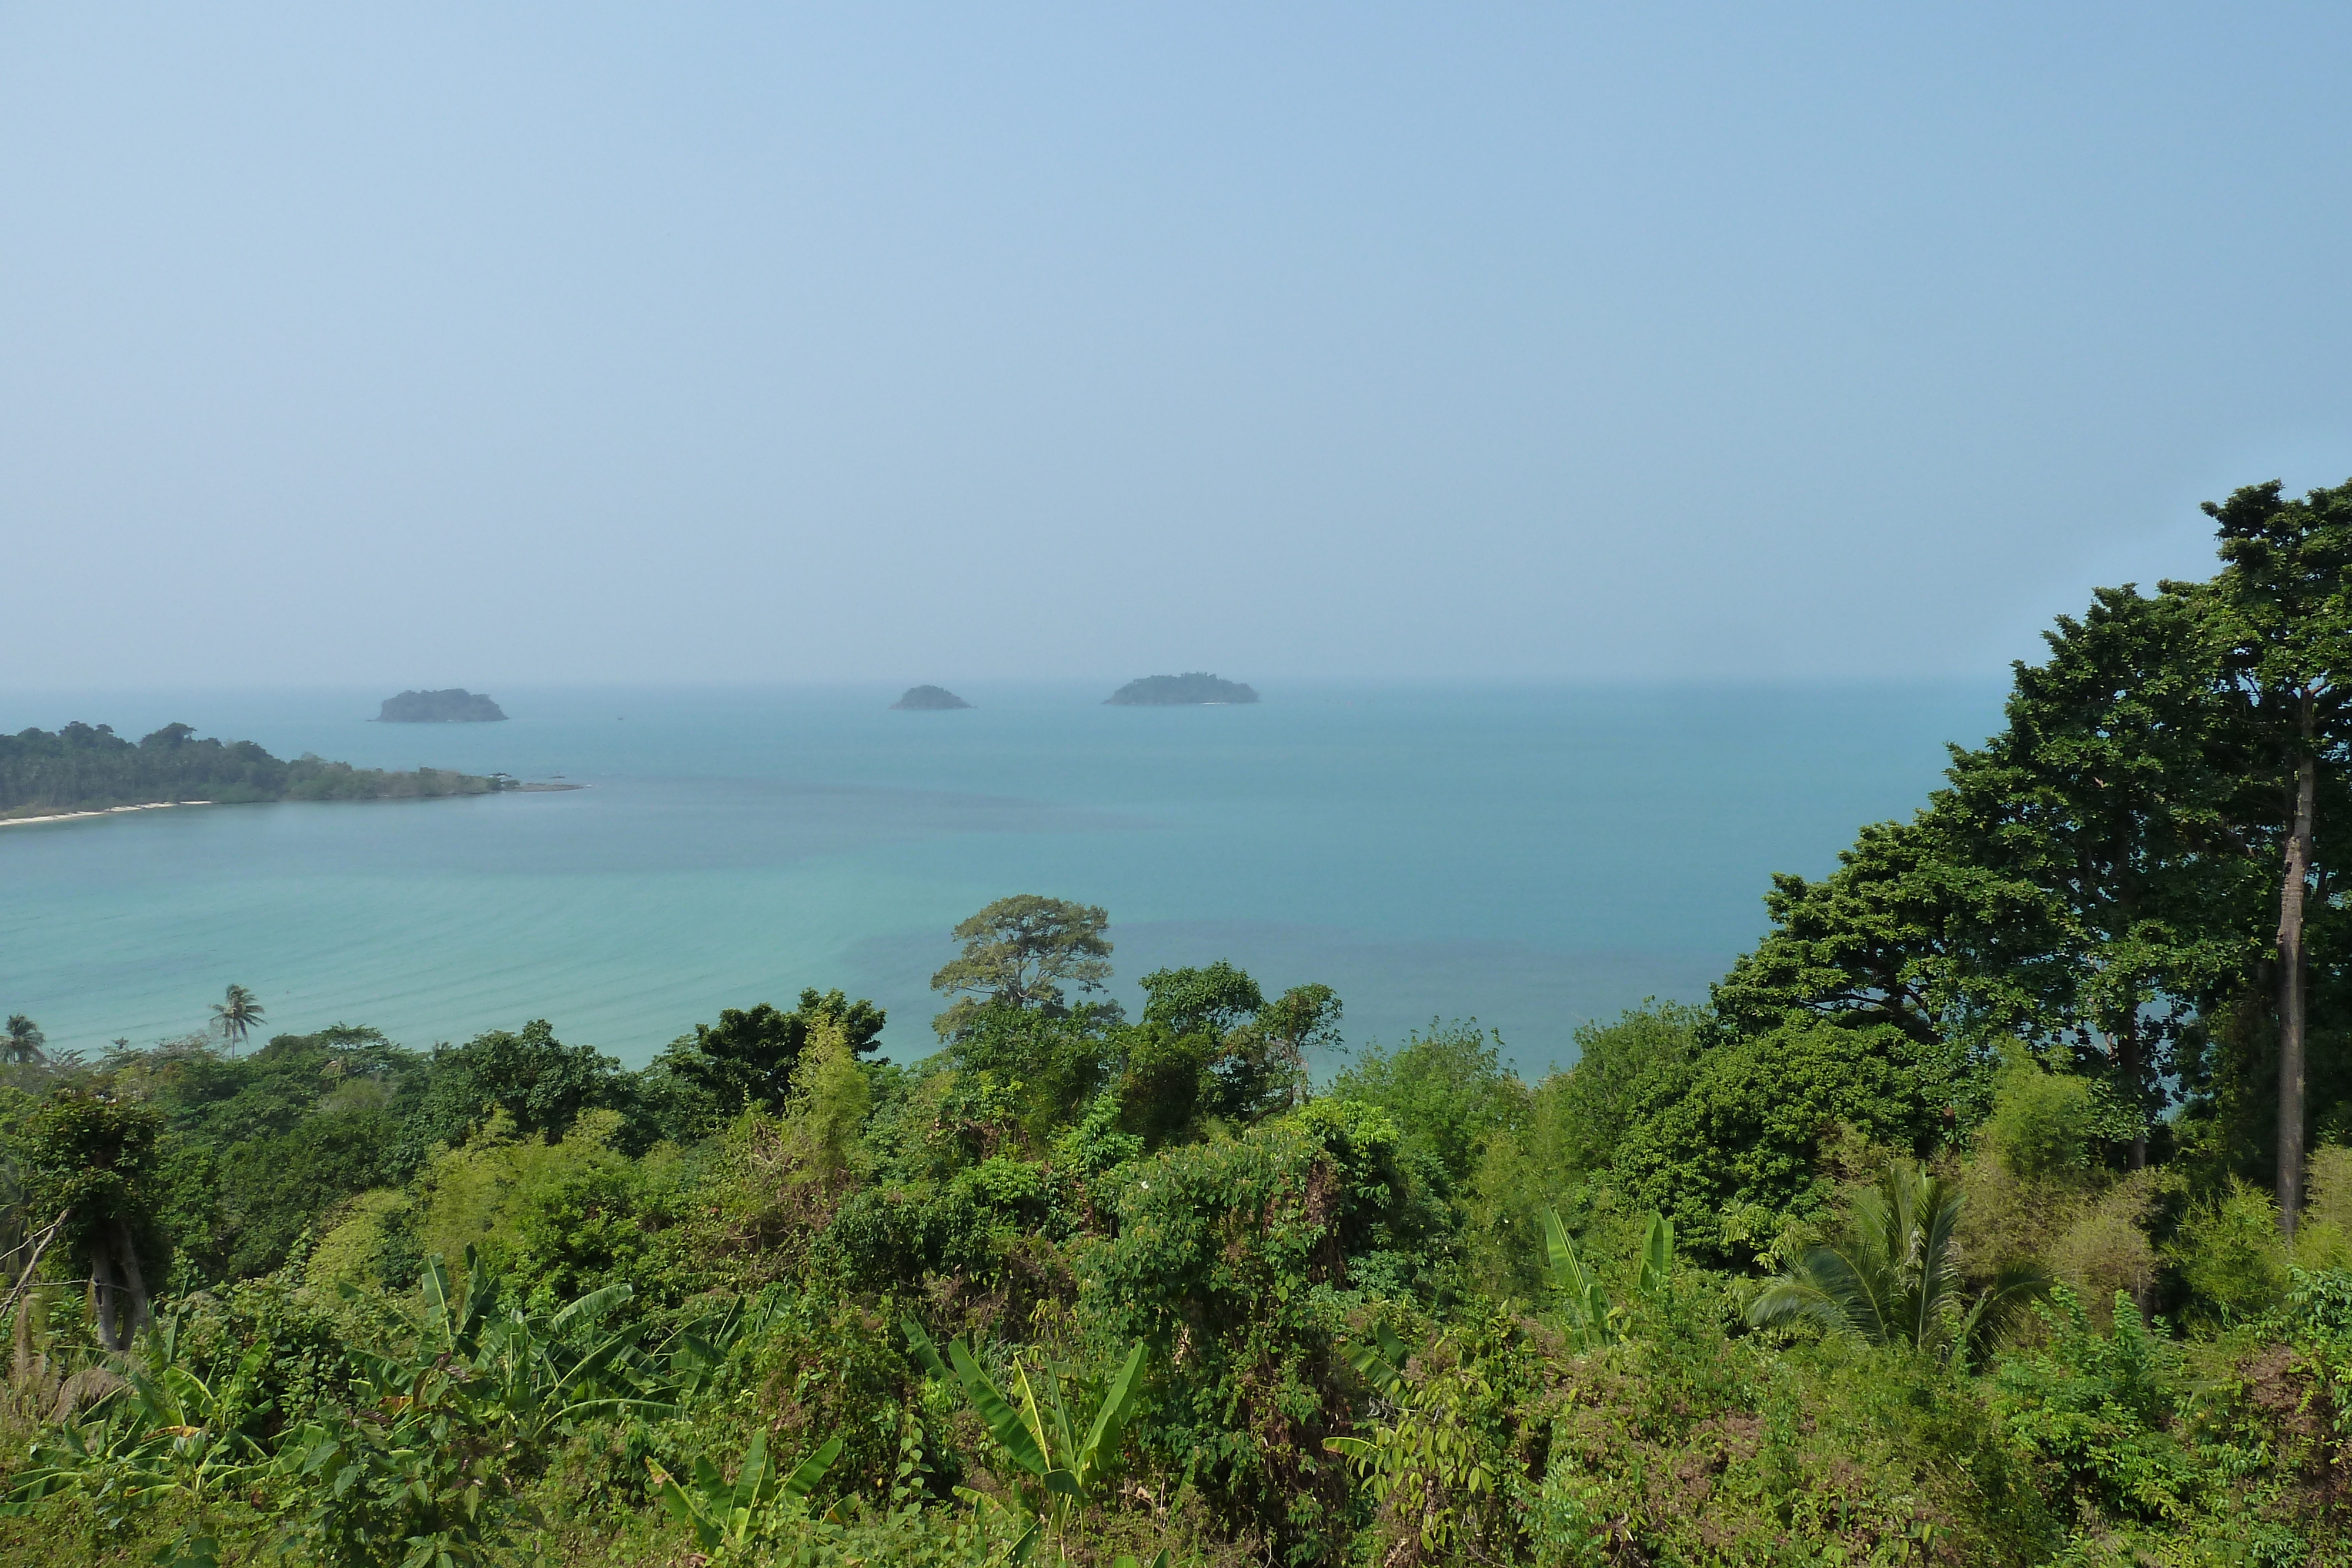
(930,699)
(88,768)
(1176,691)
(455,705)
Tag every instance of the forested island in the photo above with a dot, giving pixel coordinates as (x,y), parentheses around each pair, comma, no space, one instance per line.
(930,699)
(1996,1208)
(1196,689)
(88,768)
(455,705)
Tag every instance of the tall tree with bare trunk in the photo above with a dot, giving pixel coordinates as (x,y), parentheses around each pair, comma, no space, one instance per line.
(2283,604)
(91,1158)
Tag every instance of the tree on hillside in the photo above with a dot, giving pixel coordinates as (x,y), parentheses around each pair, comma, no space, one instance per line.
(235,1015)
(748,1057)
(1909,931)
(1019,952)
(91,1158)
(1303,1019)
(2105,791)
(22,1045)
(1253,1059)
(1208,1000)
(2283,606)
(538,1081)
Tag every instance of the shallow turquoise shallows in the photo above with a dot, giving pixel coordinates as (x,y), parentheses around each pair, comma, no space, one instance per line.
(1533,857)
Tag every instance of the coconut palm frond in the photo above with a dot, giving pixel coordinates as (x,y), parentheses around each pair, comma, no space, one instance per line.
(1894,1277)
(235,1015)
(23,1042)
(1827,1287)
(1998,1311)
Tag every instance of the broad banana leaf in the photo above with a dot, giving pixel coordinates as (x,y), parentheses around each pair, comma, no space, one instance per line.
(1375,1368)
(1102,1439)
(752,1480)
(588,1309)
(925,1351)
(1589,1306)
(811,1470)
(1657,1255)
(997,1413)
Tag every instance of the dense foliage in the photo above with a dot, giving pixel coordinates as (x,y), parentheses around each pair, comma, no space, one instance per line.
(1980,1217)
(86,767)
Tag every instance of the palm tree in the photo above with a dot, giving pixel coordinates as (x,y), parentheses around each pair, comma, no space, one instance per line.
(236,1016)
(1894,1277)
(22,1045)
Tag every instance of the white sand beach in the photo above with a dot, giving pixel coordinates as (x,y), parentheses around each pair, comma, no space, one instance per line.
(107,812)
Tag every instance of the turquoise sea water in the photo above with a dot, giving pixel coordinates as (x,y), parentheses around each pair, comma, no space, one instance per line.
(1531,856)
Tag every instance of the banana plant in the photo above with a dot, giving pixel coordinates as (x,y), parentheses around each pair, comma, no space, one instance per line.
(163,1432)
(542,1372)
(429,1466)
(1065,1469)
(1593,1320)
(726,1516)
(695,1351)
(1380,1362)
(1658,1258)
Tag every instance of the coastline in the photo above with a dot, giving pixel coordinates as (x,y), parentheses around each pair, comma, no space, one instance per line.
(518,789)
(99,811)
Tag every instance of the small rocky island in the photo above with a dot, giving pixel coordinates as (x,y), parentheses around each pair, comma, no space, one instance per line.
(1180,691)
(930,699)
(455,705)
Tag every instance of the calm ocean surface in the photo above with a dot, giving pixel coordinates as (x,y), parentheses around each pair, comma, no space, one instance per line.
(1533,856)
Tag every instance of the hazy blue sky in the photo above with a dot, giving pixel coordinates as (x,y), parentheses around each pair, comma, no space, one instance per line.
(482,344)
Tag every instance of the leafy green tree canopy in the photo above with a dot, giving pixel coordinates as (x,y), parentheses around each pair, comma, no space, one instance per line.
(1209,1000)
(2284,601)
(539,1081)
(748,1056)
(1447,1090)
(1019,952)
(92,1159)
(1753,1122)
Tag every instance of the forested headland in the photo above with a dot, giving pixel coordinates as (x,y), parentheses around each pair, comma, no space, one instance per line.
(88,768)
(1996,1208)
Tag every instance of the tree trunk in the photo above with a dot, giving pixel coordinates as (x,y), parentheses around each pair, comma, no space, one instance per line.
(2293,887)
(134,1317)
(103,1296)
(2127,1062)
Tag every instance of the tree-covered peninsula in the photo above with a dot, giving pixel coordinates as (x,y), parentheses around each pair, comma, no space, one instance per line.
(88,768)
(1193,690)
(1994,1209)
(454,705)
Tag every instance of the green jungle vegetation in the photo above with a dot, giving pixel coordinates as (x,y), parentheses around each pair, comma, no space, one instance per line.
(86,767)
(1179,691)
(1996,1210)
